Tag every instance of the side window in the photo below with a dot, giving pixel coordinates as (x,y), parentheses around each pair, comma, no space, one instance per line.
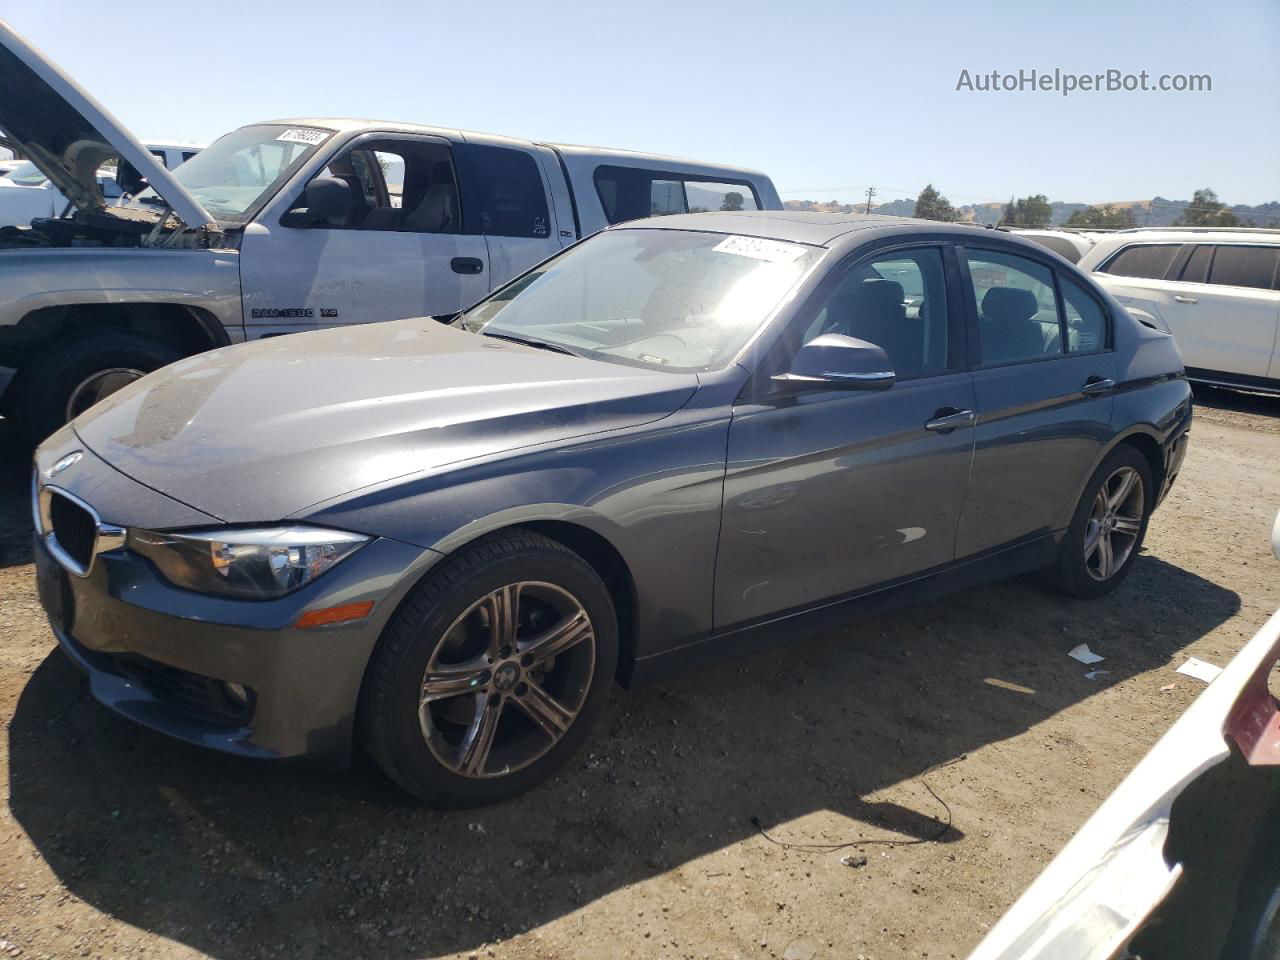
(1146,261)
(1244,266)
(705,196)
(630,193)
(512,198)
(1086,320)
(188,154)
(161,156)
(406,186)
(667,197)
(898,301)
(1196,269)
(1017,308)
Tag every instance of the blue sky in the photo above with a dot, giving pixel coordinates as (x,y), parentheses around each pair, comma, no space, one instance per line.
(826,97)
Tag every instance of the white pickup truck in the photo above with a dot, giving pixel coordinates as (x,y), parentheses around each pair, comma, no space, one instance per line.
(279,227)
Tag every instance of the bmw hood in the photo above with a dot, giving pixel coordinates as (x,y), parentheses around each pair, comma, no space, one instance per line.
(68,135)
(260,431)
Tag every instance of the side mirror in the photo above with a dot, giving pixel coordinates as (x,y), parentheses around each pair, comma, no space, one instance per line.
(325,200)
(841,363)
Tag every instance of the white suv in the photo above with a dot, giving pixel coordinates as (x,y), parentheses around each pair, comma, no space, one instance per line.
(1217,290)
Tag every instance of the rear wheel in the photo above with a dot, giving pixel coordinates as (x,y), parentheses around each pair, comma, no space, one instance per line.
(492,673)
(1107,528)
(66,380)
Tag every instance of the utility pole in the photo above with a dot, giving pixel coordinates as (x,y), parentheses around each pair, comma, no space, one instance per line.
(871,192)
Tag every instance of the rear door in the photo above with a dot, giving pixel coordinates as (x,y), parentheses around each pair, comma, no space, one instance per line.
(1043,387)
(1222,309)
(403,252)
(505,200)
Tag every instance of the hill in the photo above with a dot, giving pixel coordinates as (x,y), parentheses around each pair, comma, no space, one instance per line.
(1157,212)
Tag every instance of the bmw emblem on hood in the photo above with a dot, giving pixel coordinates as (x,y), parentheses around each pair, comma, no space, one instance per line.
(70,460)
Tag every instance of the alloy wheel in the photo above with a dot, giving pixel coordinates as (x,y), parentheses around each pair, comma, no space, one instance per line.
(99,386)
(507,679)
(1115,521)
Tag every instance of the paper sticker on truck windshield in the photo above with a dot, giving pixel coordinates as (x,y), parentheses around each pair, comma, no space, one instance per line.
(303,135)
(771,251)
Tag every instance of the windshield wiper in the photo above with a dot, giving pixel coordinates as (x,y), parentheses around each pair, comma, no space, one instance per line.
(533,342)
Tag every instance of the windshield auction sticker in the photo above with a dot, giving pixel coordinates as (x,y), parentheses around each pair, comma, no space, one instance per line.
(757,248)
(303,135)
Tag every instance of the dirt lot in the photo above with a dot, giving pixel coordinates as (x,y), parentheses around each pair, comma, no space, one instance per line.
(115,841)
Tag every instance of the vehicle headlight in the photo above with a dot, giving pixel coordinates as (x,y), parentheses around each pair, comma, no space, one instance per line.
(256,563)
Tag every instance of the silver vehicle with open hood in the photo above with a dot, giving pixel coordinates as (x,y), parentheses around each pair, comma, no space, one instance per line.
(281,227)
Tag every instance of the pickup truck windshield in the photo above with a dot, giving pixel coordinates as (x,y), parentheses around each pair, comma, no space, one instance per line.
(666,299)
(238,173)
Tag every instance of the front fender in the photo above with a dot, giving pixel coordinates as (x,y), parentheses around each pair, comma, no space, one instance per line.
(653,494)
(33,280)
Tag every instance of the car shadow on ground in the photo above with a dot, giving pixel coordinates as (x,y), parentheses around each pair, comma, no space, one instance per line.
(236,858)
(1217,398)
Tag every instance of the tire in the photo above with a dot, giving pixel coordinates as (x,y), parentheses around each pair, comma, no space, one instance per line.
(1079,570)
(68,370)
(503,716)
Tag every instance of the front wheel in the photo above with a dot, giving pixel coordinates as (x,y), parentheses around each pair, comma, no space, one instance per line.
(1108,526)
(492,673)
(67,380)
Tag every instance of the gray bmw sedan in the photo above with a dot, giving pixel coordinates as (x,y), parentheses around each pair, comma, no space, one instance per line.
(682,437)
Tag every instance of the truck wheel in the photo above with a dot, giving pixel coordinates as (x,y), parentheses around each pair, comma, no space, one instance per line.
(68,379)
(492,673)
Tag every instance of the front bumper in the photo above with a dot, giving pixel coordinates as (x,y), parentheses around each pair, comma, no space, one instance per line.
(161,655)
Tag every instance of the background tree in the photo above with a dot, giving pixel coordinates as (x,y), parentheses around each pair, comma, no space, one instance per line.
(931,205)
(732,201)
(1032,211)
(1206,210)
(1106,217)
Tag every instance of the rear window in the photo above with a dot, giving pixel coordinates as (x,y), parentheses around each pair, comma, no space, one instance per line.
(630,193)
(1147,261)
(1059,245)
(1244,266)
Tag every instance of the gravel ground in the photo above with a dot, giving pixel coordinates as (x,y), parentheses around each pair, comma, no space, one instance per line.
(117,842)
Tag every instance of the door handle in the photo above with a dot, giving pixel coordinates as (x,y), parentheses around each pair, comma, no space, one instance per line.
(948,418)
(467,264)
(1179,298)
(1096,386)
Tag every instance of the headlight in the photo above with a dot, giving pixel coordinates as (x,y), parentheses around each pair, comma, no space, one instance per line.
(256,564)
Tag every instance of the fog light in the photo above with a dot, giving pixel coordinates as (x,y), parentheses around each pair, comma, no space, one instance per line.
(236,693)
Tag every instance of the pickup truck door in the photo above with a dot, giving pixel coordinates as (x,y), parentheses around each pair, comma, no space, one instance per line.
(505,198)
(403,252)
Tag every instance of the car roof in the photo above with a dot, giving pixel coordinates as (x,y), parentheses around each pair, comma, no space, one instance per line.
(350,125)
(1191,235)
(820,229)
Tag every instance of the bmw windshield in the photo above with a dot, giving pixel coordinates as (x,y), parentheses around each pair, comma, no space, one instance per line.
(677,300)
(236,175)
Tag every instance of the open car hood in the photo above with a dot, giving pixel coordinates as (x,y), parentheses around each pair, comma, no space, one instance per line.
(69,135)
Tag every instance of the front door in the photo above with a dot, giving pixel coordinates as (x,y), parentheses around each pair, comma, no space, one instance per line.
(829,492)
(1044,396)
(400,253)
